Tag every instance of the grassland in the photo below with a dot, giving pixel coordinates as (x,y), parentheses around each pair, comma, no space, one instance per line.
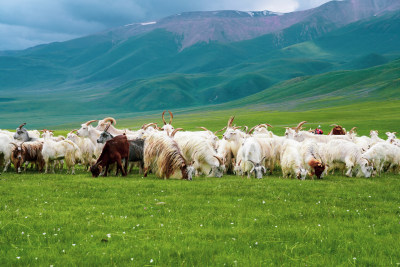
(78,220)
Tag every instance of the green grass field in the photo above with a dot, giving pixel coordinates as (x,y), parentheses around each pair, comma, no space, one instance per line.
(78,220)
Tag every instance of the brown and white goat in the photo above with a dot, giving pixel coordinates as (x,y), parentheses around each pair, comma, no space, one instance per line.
(29,152)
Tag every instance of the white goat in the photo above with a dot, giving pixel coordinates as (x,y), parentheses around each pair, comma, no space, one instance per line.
(384,154)
(200,150)
(86,147)
(252,157)
(53,151)
(345,153)
(5,150)
(291,160)
(392,139)
(87,130)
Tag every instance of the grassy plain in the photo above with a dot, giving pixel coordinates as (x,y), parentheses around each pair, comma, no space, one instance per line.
(78,220)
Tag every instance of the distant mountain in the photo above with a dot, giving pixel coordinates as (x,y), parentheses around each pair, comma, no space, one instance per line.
(232,26)
(184,60)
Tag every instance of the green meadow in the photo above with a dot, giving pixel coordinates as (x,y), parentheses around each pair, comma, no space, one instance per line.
(79,220)
(61,219)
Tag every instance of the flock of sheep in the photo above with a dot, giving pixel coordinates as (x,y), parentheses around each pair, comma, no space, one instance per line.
(173,153)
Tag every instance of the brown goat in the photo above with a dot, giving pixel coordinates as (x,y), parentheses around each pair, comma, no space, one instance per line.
(337,130)
(114,151)
(27,152)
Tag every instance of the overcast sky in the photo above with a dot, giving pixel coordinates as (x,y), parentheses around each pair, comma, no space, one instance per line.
(25,23)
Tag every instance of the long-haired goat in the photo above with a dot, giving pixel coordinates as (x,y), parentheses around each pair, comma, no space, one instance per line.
(27,152)
(163,156)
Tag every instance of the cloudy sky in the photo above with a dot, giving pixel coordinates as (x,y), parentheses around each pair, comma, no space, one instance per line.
(25,23)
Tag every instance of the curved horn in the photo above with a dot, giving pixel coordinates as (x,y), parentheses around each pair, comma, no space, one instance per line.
(14,144)
(175,131)
(90,122)
(237,127)
(111,120)
(369,162)
(74,130)
(148,125)
(165,123)
(266,125)
(108,126)
(230,121)
(171,117)
(252,129)
(22,125)
(246,129)
(204,128)
(252,162)
(97,163)
(352,130)
(220,130)
(221,162)
(299,125)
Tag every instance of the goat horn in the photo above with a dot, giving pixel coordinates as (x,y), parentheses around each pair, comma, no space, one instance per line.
(97,163)
(237,127)
(165,123)
(110,119)
(266,125)
(252,162)
(230,121)
(204,128)
(252,129)
(90,122)
(148,125)
(108,126)
(74,130)
(175,131)
(246,129)
(14,144)
(219,160)
(22,125)
(352,130)
(220,130)
(171,117)
(299,125)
